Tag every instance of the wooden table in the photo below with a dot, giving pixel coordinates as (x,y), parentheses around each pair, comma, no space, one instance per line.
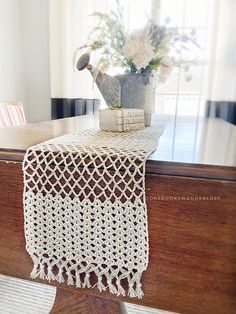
(190,187)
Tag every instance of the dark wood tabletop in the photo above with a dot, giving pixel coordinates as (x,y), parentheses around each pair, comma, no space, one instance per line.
(205,147)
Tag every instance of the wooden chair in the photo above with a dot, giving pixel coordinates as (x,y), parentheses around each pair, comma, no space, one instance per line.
(11,114)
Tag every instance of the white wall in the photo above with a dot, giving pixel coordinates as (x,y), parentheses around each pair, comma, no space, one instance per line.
(24,56)
(11,65)
(35,19)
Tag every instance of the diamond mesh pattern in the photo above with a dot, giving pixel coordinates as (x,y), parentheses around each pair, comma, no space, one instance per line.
(85,209)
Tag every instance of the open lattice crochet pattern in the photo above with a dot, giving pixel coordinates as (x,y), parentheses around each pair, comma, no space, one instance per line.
(85,209)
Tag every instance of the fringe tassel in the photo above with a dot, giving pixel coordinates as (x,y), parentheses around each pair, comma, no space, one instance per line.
(139,291)
(131,291)
(42,274)
(59,276)
(77,279)
(70,280)
(134,279)
(50,275)
(120,289)
(34,274)
(111,287)
(100,285)
(86,283)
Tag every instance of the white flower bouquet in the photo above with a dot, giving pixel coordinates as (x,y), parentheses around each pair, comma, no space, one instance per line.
(151,49)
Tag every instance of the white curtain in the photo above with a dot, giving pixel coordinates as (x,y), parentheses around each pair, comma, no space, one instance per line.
(222,76)
(70,24)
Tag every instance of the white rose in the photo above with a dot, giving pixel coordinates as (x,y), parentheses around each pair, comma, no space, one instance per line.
(166,67)
(138,48)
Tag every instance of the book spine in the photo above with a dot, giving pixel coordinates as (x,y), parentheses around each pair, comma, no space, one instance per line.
(129,113)
(133,126)
(136,119)
(121,120)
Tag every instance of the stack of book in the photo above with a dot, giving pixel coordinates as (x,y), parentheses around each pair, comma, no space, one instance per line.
(121,120)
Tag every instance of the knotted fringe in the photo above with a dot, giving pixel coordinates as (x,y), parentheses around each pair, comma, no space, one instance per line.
(59,276)
(111,287)
(50,275)
(135,286)
(70,280)
(86,283)
(77,279)
(120,289)
(42,274)
(35,273)
(100,285)
(113,279)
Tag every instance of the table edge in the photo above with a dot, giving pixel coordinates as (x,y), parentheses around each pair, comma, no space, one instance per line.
(156,167)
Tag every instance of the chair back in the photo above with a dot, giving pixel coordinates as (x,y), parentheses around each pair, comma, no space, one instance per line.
(11,114)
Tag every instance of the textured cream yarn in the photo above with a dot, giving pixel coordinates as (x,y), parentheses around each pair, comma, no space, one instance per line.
(85,209)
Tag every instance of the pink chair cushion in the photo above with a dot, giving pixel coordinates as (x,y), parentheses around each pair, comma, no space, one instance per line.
(11,114)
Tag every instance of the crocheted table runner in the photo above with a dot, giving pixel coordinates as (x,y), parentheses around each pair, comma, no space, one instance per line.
(85,209)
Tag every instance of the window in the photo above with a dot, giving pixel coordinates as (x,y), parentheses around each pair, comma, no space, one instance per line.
(184,93)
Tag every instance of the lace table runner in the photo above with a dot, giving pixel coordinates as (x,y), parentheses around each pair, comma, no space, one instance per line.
(85,209)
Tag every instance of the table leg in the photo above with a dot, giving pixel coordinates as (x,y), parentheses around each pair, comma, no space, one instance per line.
(74,302)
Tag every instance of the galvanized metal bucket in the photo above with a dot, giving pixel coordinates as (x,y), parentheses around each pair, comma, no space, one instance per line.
(138,91)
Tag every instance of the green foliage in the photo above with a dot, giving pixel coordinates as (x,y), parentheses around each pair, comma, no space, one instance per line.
(154,64)
(116,106)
